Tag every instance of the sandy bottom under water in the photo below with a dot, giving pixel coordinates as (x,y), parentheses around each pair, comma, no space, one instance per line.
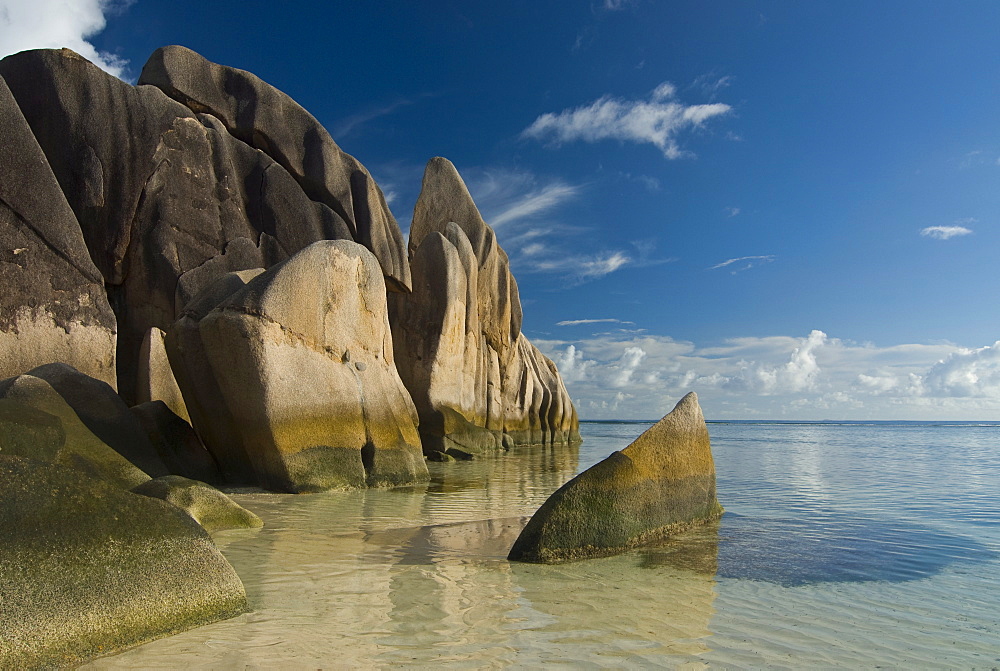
(833,553)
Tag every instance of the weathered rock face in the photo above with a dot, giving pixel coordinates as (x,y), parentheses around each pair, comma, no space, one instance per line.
(268,119)
(661,483)
(52,305)
(206,505)
(301,357)
(473,376)
(77,447)
(168,199)
(89,569)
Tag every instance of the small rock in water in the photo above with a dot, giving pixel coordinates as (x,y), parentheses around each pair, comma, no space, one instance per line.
(660,484)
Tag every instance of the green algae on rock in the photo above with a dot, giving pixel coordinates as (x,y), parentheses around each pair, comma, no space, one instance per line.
(24,399)
(660,484)
(87,569)
(204,503)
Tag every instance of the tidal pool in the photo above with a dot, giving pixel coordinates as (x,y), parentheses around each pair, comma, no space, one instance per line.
(854,545)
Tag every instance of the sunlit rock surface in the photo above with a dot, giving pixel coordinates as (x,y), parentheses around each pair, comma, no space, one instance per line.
(301,359)
(168,198)
(663,482)
(478,384)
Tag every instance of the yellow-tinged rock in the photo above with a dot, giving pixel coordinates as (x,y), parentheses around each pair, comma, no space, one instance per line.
(660,484)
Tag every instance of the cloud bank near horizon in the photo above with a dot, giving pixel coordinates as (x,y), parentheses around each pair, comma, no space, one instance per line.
(53,24)
(621,375)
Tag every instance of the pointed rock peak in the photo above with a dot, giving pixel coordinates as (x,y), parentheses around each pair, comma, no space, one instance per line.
(445,198)
(678,445)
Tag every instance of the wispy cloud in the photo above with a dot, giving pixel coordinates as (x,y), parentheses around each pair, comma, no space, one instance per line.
(578,322)
(525,212)
(711,84)
(731,211)
(347,126)
(53,24)
(656,120)
(945,232)
(742,263)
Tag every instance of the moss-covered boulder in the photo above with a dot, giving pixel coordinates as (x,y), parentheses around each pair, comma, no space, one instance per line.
(88,569)
(204,503)
(76,445)
(660,484)
(104,413)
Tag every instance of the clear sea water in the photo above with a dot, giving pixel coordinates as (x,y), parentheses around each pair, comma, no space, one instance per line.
(848,545)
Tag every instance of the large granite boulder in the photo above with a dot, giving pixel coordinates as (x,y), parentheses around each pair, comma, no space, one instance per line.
(104,413)
(88,569)
(72,445)
(475,379)
(167,199)
(206,505)
(301,359)
(207,406)
(52,306)
(268,119)
(660,484)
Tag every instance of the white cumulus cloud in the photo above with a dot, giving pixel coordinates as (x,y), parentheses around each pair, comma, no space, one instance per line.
(945,232)
(53,24)
(810,377)
(656,120)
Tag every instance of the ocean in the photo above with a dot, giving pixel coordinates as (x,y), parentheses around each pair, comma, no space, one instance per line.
(850,545)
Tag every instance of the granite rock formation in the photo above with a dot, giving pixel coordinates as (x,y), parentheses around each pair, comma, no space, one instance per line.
(90,569)
(301,358)
(478,384)
(660,484)
(168,198)
(104,413)
(52,303)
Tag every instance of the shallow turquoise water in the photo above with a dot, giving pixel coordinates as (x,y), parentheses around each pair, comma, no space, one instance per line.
(857,545)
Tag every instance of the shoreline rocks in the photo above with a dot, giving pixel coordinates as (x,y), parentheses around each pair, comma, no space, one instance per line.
(660,484)
(89,569)
(479,386)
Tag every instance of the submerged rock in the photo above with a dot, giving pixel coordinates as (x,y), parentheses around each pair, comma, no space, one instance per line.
(301,359)
(478,384)
(87,569)
(204,503)
(663,482)
(52,306)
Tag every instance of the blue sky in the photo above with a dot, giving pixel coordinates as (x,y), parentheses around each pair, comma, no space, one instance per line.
(790,208)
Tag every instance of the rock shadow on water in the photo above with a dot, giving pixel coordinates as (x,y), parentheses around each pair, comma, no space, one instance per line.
(830,547)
